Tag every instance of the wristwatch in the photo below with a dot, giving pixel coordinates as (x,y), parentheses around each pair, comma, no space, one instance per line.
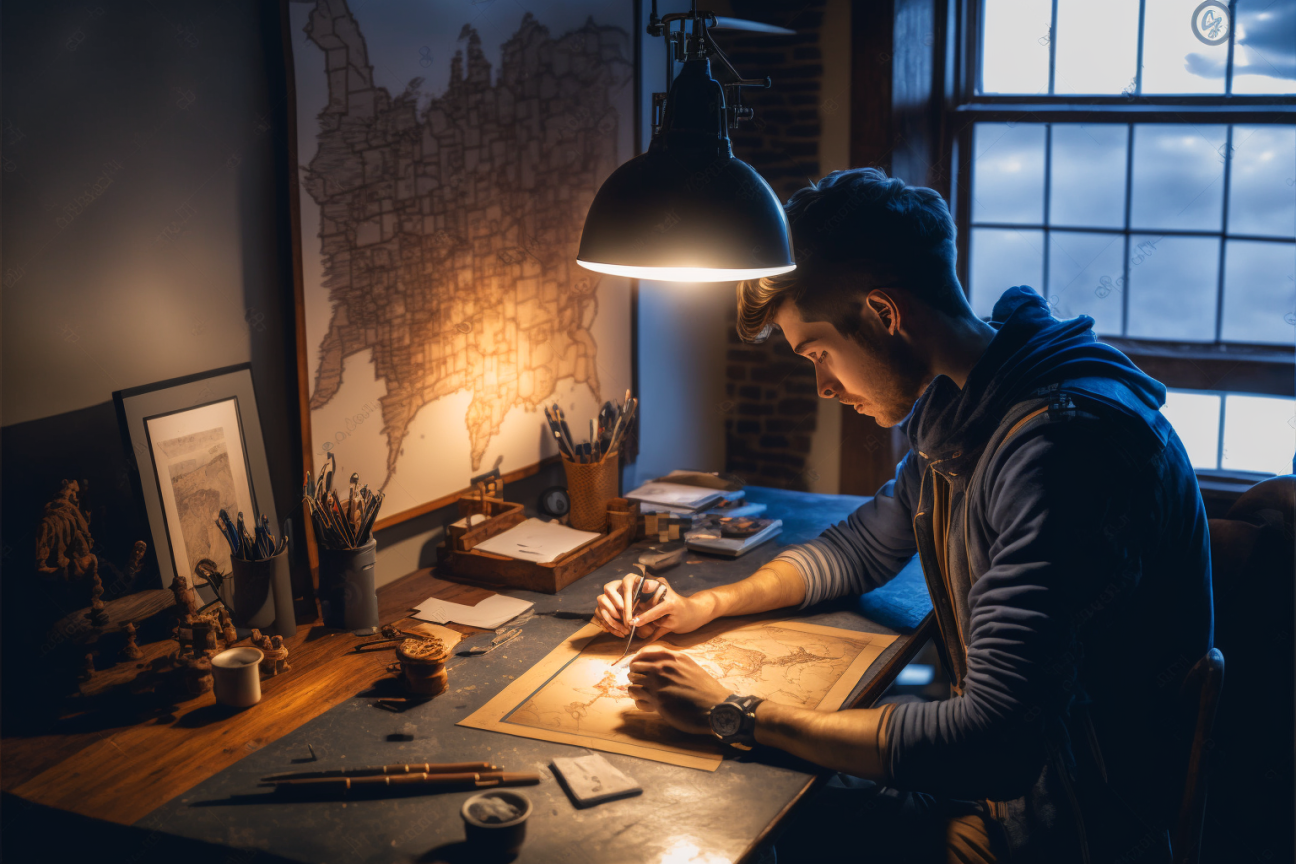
(733,721)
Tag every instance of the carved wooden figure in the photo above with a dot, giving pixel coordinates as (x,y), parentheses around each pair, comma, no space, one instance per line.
(63,542)
(228,633)
(87,668)
(281,655)
(130,651)
(186,599)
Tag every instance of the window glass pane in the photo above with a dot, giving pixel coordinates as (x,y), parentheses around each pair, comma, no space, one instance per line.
(1086,276)
(1178,177)
(1008,173)
(1264,56)
(1259,434)
(1097,46)
(1172,285)
(1002,258)
(1088,175)
(1174,59)
(1015,50)
(1195,418)
(1262,181)
(1259,292)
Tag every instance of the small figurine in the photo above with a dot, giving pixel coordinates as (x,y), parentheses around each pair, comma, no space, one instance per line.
(281,655)
(186,600)
(87,668)
(98,615)
(131,651)
(63,543)
(268,655)
(228,633)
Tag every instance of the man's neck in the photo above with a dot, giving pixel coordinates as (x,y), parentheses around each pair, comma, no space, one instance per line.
(960,344)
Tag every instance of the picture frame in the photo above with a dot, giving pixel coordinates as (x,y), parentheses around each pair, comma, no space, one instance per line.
(196,446)
(380,404)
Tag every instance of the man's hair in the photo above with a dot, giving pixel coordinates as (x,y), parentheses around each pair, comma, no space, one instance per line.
(853,231)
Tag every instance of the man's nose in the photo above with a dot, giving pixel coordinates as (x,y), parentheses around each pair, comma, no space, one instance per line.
(825,383)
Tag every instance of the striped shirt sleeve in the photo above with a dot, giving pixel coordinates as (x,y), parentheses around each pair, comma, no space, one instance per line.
(867,550)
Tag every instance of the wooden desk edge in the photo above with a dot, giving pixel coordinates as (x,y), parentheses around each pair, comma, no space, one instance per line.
(870,694)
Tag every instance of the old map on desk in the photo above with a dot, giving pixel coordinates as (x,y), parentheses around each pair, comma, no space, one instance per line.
(577,694)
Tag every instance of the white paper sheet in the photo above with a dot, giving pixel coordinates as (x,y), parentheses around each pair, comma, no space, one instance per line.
(537,540)
(488,614)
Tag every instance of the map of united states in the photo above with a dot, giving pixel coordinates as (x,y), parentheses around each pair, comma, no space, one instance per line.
(449,225)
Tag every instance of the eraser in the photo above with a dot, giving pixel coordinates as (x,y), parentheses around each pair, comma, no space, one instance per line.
(591,780)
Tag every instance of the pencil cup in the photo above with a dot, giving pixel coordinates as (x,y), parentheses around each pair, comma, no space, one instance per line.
(237,676)
(348,600)
(590,488)
(254,590)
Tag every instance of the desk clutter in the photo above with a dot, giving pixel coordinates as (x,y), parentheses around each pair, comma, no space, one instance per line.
(541,556)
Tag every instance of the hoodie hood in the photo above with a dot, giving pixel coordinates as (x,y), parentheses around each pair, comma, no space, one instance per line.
(1032,350)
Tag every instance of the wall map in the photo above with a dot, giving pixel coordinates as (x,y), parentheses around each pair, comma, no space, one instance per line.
(441,214)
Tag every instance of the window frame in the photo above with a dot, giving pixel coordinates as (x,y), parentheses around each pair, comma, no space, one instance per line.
(1263,369)
(1269,367)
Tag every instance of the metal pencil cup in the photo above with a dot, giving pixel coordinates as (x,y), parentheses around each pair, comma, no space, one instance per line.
(263,594)
(590,487)
(348,599)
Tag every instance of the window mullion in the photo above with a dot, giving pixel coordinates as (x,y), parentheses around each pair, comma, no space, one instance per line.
(1219,446)
(1138,70)
(1219,288)
(1228,69)
(1052,46)
(1129,189)
(1048,189)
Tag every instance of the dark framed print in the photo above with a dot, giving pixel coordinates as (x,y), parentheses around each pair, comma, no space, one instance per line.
(443,158)
(197,447)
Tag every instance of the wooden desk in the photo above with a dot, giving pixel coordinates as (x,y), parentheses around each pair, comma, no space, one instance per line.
(196,774)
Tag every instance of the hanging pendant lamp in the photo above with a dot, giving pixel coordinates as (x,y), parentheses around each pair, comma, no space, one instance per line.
(687,210)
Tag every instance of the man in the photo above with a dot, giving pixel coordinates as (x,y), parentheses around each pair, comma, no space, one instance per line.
(1060,530)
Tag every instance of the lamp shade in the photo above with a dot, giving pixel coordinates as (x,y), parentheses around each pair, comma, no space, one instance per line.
(687,210)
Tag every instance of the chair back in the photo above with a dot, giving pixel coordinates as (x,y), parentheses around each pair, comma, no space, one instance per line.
(1199,694)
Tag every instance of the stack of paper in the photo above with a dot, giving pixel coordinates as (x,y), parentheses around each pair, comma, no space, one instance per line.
(537,540)
(488,614)
(675,496)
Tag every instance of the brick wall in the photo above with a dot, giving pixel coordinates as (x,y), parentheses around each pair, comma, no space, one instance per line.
(771,408)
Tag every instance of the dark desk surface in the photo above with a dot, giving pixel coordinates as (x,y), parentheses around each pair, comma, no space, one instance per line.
(684,814)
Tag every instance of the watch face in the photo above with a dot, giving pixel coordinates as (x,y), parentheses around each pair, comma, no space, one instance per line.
(726,719)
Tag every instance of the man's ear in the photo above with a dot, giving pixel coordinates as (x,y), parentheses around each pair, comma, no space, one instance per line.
(884,307)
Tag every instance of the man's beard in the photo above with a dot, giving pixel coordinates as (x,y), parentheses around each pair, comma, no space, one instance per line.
(900,380)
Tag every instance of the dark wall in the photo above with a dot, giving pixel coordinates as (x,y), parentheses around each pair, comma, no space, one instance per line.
(144,228)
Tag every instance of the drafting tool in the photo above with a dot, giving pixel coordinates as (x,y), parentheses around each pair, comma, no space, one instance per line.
(643,577)
(415,768)
(466,778)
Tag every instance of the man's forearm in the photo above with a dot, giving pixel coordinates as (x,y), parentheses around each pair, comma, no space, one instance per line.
(849,741)
(775,586)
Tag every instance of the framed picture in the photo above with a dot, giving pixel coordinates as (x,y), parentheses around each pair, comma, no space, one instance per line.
(444,156)
(196,444)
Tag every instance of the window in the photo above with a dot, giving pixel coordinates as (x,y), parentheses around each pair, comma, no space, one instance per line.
(1136,162)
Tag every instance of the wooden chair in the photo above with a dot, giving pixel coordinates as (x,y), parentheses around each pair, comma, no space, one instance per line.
(1252,568)
(1200,693)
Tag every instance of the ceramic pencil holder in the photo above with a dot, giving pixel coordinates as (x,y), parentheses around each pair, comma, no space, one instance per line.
(255,589)
(348,599)
(590,488)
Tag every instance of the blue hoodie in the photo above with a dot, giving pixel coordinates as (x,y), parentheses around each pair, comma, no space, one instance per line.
(1064,542)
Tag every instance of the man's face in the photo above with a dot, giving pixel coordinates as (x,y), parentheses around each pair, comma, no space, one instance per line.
(877,374)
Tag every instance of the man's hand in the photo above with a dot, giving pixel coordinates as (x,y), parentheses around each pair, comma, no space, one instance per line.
(676,687)
(659,610)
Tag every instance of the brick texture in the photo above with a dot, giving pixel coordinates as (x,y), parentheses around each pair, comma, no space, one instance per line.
(771,407)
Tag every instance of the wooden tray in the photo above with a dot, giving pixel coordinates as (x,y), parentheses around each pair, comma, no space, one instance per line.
(458,560)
